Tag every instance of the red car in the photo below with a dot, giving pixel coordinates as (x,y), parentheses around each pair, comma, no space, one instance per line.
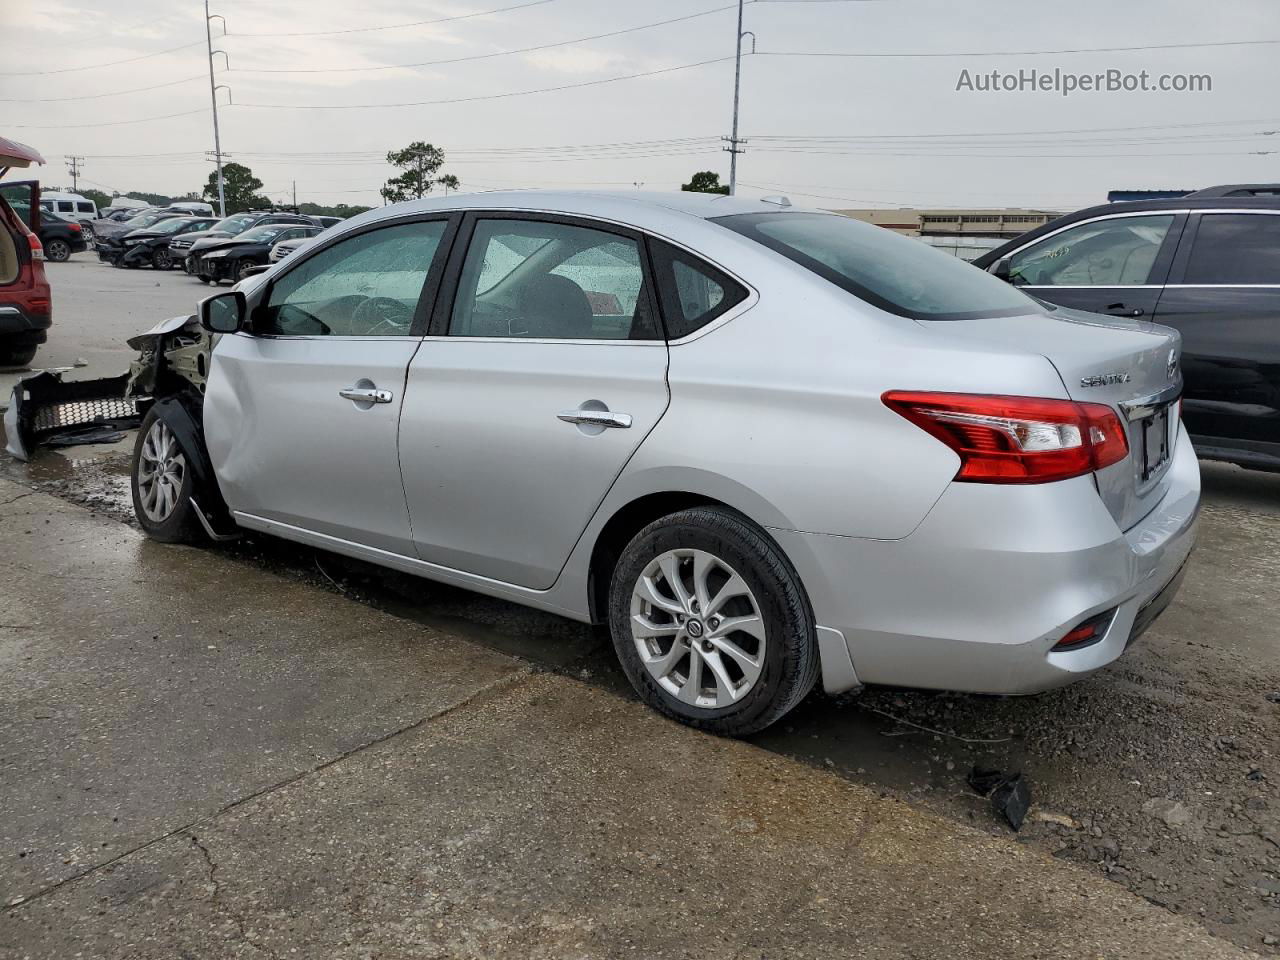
(26,310)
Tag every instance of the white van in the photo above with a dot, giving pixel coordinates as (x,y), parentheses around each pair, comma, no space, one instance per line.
(69,205)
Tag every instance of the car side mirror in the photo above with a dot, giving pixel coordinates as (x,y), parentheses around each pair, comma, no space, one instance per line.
(1002,270)
(223,312)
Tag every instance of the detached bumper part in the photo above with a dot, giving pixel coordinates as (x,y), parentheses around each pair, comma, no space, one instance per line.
(44,407)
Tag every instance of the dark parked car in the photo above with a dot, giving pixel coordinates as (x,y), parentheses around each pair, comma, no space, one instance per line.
(60,236)
(191,248)
(150,245)
(106,229)
(233,258)
(1207,265)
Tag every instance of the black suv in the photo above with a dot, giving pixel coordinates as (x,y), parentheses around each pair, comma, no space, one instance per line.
(1208,265)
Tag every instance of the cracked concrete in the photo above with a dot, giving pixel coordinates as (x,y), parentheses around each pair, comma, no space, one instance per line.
(204,760)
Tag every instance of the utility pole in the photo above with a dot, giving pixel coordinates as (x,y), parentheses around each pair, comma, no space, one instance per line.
(735,142)
(213,96)
(295,196)
(73,168)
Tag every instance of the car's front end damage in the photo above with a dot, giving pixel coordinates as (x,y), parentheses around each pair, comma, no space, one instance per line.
(173,358)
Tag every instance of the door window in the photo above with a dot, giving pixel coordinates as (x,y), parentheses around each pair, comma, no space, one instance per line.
(694,293)
(84,206)
(1235,248)
(545,280)
(1118,252)
(66,206)
(365,286)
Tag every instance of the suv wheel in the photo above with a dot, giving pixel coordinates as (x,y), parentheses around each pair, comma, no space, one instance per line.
(58,251)
(17,356)
(162,484)
(711,623)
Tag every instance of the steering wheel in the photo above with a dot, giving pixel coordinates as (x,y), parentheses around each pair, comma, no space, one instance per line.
(378,312)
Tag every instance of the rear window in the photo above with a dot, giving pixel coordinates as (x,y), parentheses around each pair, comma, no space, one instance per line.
(890,271)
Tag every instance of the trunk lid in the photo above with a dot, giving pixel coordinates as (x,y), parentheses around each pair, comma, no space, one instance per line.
(1132,366)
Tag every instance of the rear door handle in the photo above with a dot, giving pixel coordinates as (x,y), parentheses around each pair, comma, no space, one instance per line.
(1119,309)
(366,394)
(597,418)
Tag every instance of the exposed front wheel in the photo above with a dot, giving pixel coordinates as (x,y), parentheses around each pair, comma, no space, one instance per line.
(244,269)
(161,260)
(162,484)
(710,622)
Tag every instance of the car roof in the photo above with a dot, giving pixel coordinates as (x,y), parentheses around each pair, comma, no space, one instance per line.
(1189,203)
(634,207)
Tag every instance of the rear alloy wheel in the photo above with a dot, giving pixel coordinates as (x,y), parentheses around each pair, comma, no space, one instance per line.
(162,484)
(161,260)
(58,251)
(710,622)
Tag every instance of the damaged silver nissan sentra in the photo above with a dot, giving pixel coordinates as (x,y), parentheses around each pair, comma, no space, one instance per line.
(764,445)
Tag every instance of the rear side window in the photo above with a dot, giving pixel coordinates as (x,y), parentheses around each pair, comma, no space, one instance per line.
(66,206)
(1235,248)
(889,271)
(693,292)
(84,206)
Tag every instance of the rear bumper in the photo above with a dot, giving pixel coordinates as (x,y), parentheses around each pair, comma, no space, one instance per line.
(976,597)
(16,321)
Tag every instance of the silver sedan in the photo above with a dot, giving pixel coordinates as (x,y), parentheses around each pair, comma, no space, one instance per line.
(765,446)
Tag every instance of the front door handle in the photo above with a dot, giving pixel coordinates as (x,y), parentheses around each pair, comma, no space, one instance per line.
(596,418)
(366,394)
(1120,310)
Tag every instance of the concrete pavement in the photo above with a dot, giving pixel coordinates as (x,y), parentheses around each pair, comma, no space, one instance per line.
(204,760)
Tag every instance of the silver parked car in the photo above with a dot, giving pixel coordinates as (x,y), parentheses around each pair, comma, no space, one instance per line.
(764,445)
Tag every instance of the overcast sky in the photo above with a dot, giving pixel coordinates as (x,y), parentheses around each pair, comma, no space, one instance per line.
(907,135)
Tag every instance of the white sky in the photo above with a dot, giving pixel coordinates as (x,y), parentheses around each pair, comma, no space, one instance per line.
(950,158)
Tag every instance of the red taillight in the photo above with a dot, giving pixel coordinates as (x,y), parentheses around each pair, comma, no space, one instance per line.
(39,305)
(75,227)
(1017,439)
(37,251)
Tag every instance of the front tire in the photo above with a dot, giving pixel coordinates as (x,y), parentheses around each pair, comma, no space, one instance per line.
(162,484)
(242,270)
(711,623)
(160,260)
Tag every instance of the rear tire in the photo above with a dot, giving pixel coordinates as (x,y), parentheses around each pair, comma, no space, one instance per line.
(162,484)
(17,356)
(729,650)
(57,251)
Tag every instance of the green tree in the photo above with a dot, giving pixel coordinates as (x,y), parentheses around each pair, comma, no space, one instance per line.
(343,210)
(99,198)
(159,199)
(420,163)
(705,181)
(240,188)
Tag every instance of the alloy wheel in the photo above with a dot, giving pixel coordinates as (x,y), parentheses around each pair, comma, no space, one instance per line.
(161,470)
(698,628)
(161,260)
(58,251)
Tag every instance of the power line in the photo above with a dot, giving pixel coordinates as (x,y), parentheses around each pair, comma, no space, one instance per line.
(397,26)
(489,96)
(99,96)
(95,66)
(109,123)
(499,53)
(1011,53)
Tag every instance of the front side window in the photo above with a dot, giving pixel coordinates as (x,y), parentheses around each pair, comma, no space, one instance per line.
(1236,248)
(887,270)
(1118,252)
(364,286)
(546,280)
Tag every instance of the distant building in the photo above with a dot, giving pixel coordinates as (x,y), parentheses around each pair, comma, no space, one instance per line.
(1119,196)
(995,224)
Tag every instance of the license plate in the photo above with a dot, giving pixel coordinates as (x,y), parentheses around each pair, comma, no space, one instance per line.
(1155,442)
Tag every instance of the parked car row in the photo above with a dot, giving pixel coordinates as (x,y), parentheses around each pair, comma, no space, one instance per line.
(205,247)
